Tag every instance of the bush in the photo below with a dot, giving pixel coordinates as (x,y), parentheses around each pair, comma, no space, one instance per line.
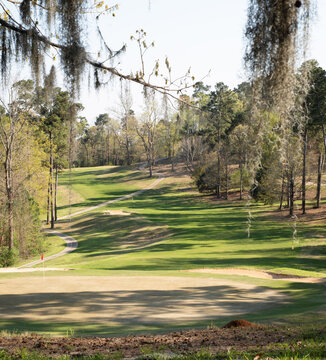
(205,178)
(7,257)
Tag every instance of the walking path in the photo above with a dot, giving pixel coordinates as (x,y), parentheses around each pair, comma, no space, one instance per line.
(115,200)
(71,243)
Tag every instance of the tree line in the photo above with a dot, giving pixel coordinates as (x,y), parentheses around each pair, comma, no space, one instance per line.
(36,135)
(214,138)
(209,133)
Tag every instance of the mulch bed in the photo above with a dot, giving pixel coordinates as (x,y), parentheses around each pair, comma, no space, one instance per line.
(237,335)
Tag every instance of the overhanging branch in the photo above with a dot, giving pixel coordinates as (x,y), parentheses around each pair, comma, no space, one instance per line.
(165,90)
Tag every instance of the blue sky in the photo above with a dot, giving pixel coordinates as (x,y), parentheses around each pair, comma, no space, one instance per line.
(206,36)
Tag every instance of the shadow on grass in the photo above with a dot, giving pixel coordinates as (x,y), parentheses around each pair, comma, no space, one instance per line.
(114,312)
(124,308)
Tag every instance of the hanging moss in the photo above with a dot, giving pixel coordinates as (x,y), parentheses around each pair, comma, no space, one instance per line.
(45,25)
(4,53)
(73,61)
(25,11)
(277,32)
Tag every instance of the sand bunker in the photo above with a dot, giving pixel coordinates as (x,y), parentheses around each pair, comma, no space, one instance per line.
(116,212)
(260,274)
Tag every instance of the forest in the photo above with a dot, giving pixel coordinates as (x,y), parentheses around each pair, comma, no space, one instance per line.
(210,132)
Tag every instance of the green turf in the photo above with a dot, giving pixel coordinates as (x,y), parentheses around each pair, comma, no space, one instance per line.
(96,185)
(196,233)
(52,245)
(202,235)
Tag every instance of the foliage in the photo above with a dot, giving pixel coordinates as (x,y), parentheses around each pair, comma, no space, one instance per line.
(7,256)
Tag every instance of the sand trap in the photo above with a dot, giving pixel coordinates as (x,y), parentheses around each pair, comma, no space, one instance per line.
(121,300)
(260,275)
(116,212)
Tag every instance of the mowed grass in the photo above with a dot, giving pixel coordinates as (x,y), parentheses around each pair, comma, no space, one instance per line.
(53,245)
(85,187)
(171,229)
(199,234)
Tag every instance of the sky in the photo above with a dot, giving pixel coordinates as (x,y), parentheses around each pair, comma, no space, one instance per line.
(206,36)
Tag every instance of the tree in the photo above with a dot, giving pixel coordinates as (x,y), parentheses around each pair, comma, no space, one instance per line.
(146,130)
(170,133)
(103,141)
(239,140)
(222,106)
(277,35)
(56,114)
(316,108)
(12,122)
(127,122)
(23,162)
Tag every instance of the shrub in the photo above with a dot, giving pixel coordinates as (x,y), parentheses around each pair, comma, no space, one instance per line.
(7,257)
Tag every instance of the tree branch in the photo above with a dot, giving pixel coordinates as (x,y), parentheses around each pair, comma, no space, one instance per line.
(165,90)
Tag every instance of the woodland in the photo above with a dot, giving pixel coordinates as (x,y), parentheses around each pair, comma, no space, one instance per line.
(264,139)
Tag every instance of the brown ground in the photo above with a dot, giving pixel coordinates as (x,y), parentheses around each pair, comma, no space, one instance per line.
(211,339)
(133,300)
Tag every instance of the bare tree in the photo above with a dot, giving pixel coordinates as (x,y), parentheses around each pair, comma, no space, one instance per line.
(146,130)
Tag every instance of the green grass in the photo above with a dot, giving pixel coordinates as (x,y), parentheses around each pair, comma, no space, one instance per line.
(203,235)
(52,245)
(196,234)
(91,186)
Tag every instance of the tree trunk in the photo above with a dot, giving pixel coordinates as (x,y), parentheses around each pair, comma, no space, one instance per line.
(87,157)
(282,193)
(108,149)
(56,194)
(150,165)
(291,195)
(10,219)
(218,188)
(304,153)
(288,191)
(226,181)
(10,197)
(128,152)
(51,183)
(324,137)
(240,167)
(48,205)
(319,178)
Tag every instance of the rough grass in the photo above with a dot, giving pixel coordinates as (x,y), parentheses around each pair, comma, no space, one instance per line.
(211,344)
